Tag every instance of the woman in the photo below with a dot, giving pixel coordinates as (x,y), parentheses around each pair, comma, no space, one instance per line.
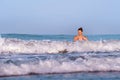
(80,36)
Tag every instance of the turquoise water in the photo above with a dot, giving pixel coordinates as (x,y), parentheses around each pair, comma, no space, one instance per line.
(57,57)
(60,37)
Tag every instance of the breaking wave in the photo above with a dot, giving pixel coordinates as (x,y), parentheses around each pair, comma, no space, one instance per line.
(36,65)
(12,45)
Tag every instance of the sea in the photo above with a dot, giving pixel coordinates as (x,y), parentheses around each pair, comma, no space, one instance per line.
(58,57)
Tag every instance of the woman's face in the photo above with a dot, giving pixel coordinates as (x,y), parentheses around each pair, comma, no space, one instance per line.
(80,32)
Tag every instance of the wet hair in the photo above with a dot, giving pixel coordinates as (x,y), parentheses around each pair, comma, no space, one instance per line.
(81,29)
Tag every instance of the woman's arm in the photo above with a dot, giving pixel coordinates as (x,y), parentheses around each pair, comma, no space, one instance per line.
(75,38)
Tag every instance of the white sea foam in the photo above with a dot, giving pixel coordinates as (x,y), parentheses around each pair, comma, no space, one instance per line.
(54,66)
(8,45)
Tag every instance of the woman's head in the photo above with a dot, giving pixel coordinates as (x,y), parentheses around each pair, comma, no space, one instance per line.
(80,31)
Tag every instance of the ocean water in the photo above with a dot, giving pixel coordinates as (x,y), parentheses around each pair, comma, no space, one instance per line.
(57,57)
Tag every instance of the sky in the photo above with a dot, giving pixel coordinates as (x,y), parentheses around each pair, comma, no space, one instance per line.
(59,16)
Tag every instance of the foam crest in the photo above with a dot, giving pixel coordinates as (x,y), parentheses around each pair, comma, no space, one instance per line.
(8,45)
(56,66)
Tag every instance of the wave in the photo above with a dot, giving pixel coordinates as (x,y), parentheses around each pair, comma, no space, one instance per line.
(52,66)
(9,45)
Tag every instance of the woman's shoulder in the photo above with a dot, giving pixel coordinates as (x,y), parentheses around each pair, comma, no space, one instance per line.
(76,36)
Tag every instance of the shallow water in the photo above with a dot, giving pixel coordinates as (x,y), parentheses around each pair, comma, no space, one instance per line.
(71,76)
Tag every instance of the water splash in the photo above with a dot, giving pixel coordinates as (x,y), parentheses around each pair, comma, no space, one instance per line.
(9,45)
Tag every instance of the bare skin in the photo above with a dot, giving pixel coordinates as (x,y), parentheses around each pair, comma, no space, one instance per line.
(80,36)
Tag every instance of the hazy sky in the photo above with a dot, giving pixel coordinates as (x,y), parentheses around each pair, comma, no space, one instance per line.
(59,16)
